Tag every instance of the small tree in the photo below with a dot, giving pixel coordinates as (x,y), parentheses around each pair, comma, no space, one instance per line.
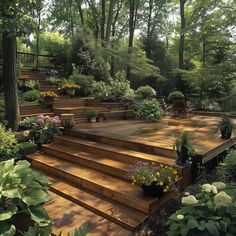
(14,20)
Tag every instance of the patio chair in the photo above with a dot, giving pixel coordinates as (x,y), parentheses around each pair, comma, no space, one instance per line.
(181,109)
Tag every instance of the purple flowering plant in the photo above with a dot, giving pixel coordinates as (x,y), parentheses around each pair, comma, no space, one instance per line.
(144,173)
(43,127)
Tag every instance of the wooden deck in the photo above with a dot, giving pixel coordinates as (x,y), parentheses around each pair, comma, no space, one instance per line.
(88,165)
(159,135)
(67,215)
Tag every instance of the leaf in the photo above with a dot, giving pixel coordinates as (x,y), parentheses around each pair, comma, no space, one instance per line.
(192,224)
(223,226)
(174,226)
(8,213)
(212,228)
(39,215)
(33,196)
(6,229)
(184,231)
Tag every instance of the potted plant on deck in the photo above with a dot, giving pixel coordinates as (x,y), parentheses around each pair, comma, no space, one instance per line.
(154,179)
(92,115)
(226,127)
(183,147)
(70,88)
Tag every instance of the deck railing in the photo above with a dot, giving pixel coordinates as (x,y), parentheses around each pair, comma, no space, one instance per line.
(35,61)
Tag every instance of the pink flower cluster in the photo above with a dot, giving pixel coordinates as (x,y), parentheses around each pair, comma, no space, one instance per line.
(41,119)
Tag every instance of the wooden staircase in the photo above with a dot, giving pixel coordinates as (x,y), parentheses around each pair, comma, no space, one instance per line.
(35,75)
(92,175)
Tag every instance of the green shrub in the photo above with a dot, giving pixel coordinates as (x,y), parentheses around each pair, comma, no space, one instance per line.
(116,89)
(210,105)
(145,92)
(8,144)
(55,80)
(22,191)
(26,85)
(30,96)
(150,110)
(101,90)
(227,169)
(25,145)
(175,94)
(120,88)
(211,212)
(85,81)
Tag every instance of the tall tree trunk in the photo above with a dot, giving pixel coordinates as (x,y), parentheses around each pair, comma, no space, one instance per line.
(113,35)
(204,49)
(71,21)
(103,20)
(37,39)
(182,34)
(81,13)
(109,20)
(148,41)
(133,11)
(9,81)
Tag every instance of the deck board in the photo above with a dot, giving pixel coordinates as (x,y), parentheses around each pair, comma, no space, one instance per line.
(67,216)
(160,134)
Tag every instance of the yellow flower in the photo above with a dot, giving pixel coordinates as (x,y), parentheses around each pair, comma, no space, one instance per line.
(175,172)
(158,173)
(165,190)
(155,179)
(161,166)
(161,183)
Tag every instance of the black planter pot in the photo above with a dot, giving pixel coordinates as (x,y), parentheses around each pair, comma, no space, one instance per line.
(182,156)
(226,132)
(154,190)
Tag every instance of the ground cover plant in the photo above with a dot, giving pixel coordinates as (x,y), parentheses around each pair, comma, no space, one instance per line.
(212,211)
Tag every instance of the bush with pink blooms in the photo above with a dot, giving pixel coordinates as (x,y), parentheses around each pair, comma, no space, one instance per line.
(43,127)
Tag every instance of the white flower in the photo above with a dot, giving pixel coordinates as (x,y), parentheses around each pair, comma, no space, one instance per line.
(186,193)
(189,200)
(222,199)
(180,217)
(209,188)
(219,185)
(26,133)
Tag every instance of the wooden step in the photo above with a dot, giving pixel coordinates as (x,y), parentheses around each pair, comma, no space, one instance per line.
(36,114)
(96,181)
(111,210)
(118,114)
(81,120)
(118,153)
(102,163)
(136,144)
(69,102)
(77,110)
(67,216)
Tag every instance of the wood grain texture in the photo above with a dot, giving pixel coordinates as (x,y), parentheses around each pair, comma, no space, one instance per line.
(68,216)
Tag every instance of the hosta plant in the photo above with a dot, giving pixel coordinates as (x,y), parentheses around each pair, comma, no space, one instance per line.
(211,212)
(150,110)
(22,193)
